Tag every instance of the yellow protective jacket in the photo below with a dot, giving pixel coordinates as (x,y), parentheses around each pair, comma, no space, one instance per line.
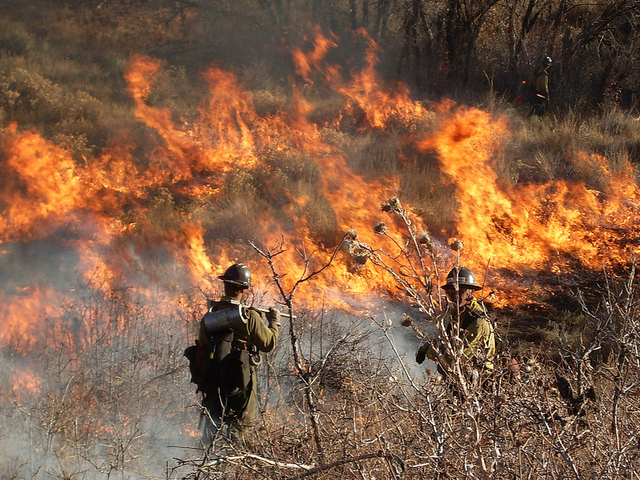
(477,333)
(478,336)
(540,82)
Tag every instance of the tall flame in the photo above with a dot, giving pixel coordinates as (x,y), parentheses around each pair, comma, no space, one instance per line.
(119,215)
(41,182)
(530,225)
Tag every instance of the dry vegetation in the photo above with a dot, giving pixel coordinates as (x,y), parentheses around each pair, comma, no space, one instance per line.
(120,409)
(342,397)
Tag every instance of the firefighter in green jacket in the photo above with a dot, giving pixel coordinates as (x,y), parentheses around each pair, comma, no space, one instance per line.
(250,336)
(540,87)
(476,329)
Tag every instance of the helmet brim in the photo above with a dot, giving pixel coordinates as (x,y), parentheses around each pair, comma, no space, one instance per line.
(450,286)
(233,282)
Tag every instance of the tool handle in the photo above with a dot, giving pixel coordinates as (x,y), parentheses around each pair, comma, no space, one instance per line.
(264,310)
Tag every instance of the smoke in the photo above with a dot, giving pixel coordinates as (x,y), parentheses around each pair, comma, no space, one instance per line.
(101,296)
(110,394)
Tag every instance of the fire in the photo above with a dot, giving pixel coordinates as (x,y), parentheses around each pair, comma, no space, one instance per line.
(121,216)
(25,383)
(25,309)
(306,63)
(41,184)
(379,106)
(521,227)
(234,131)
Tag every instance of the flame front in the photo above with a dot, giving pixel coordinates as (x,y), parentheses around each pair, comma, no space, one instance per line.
(117,217)
(532,226)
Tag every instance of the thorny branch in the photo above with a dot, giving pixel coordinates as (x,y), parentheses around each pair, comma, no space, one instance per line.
(303,370)
(344,461)
(219,459)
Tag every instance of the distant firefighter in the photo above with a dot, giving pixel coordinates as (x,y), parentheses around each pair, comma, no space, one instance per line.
(227,350)
(476,329)
(540,87)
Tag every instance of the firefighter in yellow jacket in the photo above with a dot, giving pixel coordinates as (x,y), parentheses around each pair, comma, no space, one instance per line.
(540,87)
(476,329)
(233,400)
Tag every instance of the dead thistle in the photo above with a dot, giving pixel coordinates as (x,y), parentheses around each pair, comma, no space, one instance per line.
(457,245)
(380,229)
(392,206)
(425,239)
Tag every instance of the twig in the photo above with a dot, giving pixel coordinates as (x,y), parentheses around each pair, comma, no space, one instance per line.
(253,456)
(344,461)
(559,445)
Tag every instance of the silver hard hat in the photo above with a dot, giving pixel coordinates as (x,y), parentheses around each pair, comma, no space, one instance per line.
(461,277)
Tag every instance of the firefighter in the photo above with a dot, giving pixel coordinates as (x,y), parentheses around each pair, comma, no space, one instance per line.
(237,406)
(476,329)
(540,87)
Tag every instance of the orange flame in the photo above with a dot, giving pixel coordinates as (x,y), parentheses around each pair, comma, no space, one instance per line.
(106,207)
(25,384)
(42,184)
(530,226)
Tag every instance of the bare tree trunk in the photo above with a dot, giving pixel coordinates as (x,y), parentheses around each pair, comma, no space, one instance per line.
(519,28)
(380,24)
(353,17)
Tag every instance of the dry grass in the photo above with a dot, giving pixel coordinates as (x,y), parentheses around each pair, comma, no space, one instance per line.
(113,396)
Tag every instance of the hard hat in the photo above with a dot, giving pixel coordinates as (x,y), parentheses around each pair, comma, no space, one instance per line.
(461,277)
(238,274)
(547,61)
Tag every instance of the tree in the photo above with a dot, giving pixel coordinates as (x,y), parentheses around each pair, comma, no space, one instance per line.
(463,22)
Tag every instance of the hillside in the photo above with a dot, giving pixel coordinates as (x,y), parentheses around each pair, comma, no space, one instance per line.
(350,153)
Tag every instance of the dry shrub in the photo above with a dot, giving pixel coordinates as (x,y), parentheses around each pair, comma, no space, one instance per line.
(224,225)
(73,118)
(373,156)
(570,418)
(162,216)
(15,39)
(287,170)
(176,89)
(288,175)
(545,150)
(616,135)
(103,403)
(268,95)
(269,102)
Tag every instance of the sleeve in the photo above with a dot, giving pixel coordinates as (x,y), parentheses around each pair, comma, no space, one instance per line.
(476,337)
(264,337)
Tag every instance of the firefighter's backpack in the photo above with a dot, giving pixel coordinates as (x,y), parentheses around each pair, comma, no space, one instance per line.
(217,365)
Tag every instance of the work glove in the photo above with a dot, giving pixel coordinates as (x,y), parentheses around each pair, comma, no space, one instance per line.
(273,316)
(422,353)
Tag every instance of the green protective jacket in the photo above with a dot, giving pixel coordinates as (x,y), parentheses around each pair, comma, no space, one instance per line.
(477,333)
(252,333)
(257,333)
